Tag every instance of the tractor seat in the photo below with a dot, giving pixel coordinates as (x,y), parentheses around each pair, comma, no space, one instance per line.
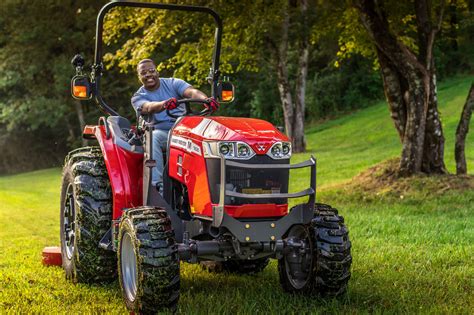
(120,128)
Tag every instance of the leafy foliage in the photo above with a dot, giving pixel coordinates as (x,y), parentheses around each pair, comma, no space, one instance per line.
(181,42)
(38,40)
(457,26)
(34,56)
(37,43)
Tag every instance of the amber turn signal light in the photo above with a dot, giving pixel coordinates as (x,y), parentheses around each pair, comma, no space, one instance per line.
(80,87)
(227,96)
(79,91)
(226,91)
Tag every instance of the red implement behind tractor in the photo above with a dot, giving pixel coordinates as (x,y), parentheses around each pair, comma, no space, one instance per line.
(224,202)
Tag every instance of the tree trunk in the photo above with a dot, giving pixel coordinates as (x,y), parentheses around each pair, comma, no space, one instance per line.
(299,141)
(293,107)
(70,128)
(395,89)
(461,133)
(413,140)
(282,74)
(433,151)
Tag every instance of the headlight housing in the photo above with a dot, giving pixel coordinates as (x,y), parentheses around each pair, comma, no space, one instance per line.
(228,149)
(280,150)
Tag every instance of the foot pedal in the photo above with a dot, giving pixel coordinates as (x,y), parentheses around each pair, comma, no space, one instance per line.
(150,163)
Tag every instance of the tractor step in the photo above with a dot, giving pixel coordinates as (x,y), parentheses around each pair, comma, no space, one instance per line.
(52,256)
(106,241)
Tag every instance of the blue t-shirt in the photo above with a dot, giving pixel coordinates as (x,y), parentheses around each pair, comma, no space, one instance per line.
(169,87)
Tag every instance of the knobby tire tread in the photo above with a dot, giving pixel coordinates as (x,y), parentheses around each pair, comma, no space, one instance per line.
(93,197)
(158,259)
(333,246)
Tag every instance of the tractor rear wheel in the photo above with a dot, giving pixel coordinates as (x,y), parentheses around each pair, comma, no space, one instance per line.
(323,265)
(243,267)
(148,261)
(86,215)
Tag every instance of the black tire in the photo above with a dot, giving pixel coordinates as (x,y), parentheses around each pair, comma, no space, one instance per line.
(328,268)
(243,267)
(148,261)
(86,215)
(334,251)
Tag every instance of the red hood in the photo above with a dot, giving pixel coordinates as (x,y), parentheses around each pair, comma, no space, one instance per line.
(242,129)
(258,133)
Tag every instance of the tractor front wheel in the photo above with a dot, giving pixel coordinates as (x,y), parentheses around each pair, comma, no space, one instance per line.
(297,267)
(148,261)
(322,263)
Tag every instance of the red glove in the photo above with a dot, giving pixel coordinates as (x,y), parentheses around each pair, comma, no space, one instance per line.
(212,104)
(170,104)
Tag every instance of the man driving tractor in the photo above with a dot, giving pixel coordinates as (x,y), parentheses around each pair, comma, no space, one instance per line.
(157,95)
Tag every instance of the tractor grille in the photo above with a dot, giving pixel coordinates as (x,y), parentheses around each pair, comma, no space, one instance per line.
(249,181)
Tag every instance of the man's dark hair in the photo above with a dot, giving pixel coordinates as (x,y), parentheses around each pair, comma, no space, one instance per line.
(145,61)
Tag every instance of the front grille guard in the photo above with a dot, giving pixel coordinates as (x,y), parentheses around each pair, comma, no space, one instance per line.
(219,211)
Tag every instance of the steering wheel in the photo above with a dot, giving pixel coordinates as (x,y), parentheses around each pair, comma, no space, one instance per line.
(187,105)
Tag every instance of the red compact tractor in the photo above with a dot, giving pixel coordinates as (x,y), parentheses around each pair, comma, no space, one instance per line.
(224,201)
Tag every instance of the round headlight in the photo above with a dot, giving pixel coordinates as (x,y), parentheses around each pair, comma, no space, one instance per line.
(243,150)
(276,150)
(286,149)
(224,148)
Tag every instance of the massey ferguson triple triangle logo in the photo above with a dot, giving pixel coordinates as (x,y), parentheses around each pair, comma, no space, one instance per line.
(261,147)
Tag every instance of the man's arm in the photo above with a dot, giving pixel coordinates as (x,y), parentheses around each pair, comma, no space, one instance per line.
(211,104)
(155,107)
(145,106)
(191,92)
(152,107)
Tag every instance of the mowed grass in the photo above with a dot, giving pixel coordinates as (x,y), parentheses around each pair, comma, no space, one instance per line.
(410,255)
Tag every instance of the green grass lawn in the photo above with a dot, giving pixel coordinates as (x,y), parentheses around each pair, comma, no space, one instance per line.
(410,255)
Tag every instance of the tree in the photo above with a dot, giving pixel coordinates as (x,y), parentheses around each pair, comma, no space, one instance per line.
(35,57)
(293,104)
(409,77)
(38,116)
(461,133)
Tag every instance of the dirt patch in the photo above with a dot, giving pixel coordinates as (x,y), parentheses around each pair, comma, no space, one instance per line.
(383,179)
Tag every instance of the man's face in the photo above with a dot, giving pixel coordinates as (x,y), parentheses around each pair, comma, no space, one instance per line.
(148,75)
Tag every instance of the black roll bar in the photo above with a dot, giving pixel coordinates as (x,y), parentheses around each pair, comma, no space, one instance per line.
(98,67)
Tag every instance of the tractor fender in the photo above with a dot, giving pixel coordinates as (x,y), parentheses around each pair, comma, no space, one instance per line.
(124,168)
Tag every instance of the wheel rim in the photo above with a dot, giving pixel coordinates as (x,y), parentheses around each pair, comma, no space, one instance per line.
(69,215)
(298,266)
(129,267)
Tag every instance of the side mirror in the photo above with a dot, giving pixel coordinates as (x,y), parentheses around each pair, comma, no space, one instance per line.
(226,92)
(81,87)
(77,61)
